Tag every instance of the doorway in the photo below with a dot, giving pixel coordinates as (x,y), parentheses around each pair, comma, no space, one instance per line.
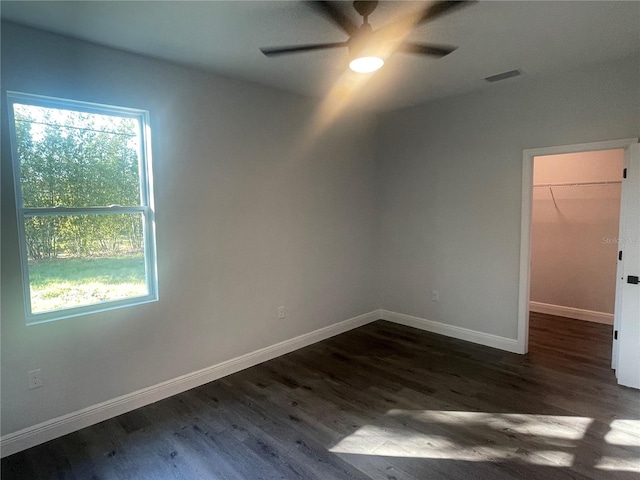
(627,145)
(575,216)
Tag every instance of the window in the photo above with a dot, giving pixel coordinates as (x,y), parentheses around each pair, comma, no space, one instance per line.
(85,206)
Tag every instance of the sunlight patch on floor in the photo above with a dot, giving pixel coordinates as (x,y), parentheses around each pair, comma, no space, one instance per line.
(624,432)
(618,464)
(549,440)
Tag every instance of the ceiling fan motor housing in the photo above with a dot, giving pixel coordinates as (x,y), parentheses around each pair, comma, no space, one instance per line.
(361,40)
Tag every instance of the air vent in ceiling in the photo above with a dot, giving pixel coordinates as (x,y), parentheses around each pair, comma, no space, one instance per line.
(503,76)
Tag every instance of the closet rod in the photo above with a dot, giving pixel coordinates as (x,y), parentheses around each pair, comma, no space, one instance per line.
(574,184)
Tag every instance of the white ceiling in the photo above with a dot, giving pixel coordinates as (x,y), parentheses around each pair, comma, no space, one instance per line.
(224,36)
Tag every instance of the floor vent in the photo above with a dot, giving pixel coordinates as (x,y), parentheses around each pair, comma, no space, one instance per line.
(503,76)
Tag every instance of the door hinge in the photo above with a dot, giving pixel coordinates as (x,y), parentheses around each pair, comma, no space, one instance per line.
(615,334)
(624,173)
(620,255)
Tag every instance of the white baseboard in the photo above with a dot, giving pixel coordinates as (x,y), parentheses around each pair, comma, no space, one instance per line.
(570,312)
(57,427)
(503,343)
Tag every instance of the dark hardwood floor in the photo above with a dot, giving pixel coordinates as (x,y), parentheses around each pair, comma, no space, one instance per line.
(383,402)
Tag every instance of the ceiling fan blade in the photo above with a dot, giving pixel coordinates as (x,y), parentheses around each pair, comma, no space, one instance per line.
(275,51)
(331,11)
(441,8)
(435,10)
(431,50)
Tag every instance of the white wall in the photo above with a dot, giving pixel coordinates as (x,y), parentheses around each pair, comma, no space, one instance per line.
(449,182)
(244,223)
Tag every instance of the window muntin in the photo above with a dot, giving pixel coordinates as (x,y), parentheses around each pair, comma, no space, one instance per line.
(83,190)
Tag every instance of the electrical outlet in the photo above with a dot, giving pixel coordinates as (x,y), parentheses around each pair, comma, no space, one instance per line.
(281,312)
(34,378)
(435,296)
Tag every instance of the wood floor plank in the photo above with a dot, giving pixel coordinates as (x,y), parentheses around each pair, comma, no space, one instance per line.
(383,402)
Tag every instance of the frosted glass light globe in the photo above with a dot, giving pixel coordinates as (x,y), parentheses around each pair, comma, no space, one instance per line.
(366,64)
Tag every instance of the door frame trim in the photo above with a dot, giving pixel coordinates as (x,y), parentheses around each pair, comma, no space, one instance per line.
(525,224)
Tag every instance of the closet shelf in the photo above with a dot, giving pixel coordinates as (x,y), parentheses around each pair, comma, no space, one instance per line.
(577,184)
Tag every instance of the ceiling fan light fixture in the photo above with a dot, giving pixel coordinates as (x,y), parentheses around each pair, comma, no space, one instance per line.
(366,64)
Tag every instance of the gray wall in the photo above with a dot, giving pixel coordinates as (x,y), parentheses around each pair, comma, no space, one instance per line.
(248,219)
(245,222)
(449,182)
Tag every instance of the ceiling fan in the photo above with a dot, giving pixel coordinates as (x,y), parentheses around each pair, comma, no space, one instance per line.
(364,43)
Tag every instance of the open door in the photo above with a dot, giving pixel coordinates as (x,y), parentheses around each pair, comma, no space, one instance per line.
(626,343)
(615,351)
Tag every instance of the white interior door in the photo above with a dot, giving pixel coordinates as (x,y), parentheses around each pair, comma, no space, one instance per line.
(626,356)
(619,272)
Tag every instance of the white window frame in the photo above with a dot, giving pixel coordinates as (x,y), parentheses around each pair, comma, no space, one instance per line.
(146,207)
